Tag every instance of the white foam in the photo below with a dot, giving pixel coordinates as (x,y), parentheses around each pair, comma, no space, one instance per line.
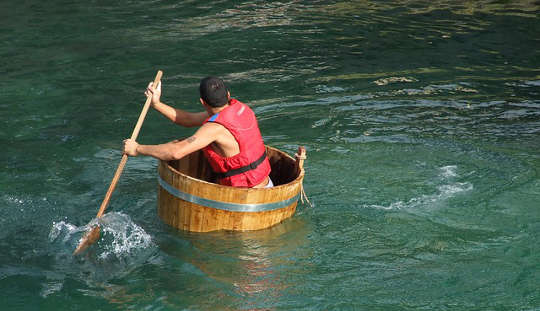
(51,287)
(446,191)
(64,229)
(533,83)
(448,171)
(126,235)
(120,236)
(122,247)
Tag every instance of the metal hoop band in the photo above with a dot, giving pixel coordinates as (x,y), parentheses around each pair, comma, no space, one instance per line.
(233,207)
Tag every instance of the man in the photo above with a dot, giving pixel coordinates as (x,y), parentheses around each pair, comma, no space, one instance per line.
(229,136)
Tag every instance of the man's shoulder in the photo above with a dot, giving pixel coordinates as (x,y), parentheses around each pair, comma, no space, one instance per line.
(212,126)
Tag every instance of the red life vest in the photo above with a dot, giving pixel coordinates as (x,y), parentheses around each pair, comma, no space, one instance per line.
(250,166)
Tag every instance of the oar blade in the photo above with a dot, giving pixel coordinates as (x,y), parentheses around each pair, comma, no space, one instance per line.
(88,239)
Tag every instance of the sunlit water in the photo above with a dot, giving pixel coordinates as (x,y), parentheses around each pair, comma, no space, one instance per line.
(421,120)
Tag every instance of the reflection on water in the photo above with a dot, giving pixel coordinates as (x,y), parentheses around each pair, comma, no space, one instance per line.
(246,265)
(420,7)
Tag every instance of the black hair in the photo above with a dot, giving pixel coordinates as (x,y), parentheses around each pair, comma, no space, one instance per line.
(213,91)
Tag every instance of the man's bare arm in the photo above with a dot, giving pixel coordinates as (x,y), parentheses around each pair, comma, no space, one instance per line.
(181,117)
(176,149)
(178,116)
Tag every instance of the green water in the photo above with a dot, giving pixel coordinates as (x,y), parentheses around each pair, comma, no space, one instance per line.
(421,120)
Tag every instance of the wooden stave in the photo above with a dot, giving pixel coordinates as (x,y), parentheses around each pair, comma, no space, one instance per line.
(189,216)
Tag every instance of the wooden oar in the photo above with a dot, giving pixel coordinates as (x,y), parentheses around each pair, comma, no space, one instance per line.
(91,236)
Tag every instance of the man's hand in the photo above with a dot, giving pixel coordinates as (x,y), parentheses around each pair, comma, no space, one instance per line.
(154,92)
(130,147)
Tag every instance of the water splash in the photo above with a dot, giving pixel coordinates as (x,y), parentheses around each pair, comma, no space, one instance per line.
(122,247)
(446,190)
(120,236)
(124,235)
(448,171)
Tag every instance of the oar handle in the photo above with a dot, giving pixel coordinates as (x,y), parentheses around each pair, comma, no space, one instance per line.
(145,108)
(134,135)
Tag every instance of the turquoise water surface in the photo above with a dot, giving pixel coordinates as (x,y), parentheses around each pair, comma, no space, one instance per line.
(421,121)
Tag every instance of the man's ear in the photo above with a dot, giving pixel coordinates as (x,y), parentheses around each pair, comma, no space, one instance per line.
(202,101)
(228,96)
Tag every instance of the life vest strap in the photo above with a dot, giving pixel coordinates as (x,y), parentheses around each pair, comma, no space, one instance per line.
(253,165)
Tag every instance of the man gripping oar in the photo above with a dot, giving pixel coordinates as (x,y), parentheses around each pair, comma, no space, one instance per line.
(93,234)
(229,136)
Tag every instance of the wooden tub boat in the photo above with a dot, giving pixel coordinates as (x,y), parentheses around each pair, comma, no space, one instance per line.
(188,199)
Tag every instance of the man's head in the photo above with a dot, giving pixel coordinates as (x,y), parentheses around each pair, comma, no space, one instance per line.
(213,92)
